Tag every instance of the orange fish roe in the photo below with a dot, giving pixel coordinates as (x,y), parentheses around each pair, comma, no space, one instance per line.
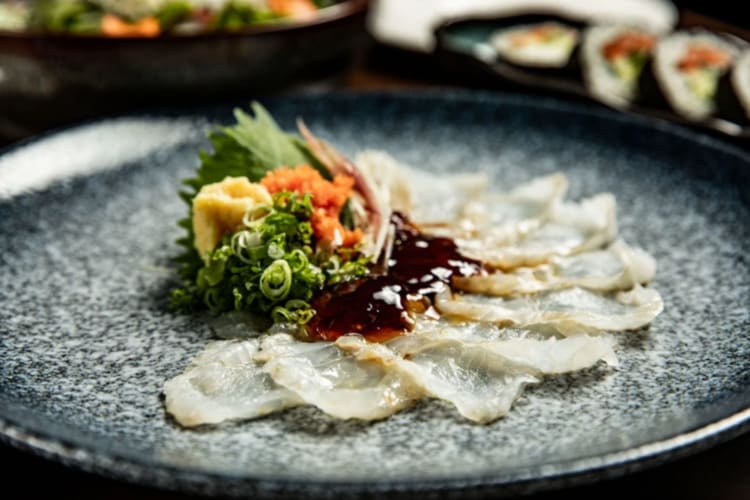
(116,27)
(292,7)
(328,198)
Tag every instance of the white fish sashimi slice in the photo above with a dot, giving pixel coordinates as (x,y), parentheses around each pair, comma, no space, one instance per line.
(483,378)
(539,356)
(498,219)
(619,267)
(422,195)
(572,228)
(530,200)
(224,382)
(481,385)
(352,378)
(569,311)
(555,356)
(349,378)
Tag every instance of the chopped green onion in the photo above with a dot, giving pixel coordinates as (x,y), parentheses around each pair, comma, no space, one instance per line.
(276,280)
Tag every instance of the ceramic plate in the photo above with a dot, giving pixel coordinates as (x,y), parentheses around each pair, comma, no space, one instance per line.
(87,229)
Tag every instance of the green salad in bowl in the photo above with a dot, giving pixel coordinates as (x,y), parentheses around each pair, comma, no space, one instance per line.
(150,18)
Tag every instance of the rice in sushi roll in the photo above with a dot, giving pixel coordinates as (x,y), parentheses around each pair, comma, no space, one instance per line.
(547,44)
(687,68)
(612,58)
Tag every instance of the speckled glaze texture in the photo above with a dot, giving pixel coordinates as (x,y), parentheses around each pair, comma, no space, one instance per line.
(86,341)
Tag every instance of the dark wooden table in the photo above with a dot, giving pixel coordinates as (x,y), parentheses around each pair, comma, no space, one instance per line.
(721,472)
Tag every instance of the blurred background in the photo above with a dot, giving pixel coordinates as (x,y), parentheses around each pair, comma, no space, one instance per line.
(63,61)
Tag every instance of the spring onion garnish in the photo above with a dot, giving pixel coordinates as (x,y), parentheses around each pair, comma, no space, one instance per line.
(269,266)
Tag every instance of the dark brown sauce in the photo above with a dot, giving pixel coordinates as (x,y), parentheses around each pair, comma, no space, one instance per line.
(380,307)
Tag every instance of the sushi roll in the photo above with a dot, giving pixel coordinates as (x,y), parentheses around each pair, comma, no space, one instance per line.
(686,68)
(733,95)
(612,58)
(546,46)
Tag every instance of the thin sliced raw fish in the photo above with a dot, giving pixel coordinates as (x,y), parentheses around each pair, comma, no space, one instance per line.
(618,267)
(481,385)
(483,378)
(350,378)
(224,382)
(572,228)
(427,198)
(539,356)
(568,311)
(498,219)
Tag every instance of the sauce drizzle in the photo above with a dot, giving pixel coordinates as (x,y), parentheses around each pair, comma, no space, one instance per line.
(380,307)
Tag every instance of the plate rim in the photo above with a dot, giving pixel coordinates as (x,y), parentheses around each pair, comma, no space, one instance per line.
(565,473)
(117,465)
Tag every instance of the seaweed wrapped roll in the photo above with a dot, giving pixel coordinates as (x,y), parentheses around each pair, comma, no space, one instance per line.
(545,45)
(733,95)
(612,58)
(688,67)
(542,46)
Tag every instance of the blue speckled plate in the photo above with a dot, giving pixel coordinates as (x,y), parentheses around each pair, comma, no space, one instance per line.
(87,223)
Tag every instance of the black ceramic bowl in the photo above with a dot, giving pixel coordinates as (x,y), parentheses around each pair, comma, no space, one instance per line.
(41,65)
